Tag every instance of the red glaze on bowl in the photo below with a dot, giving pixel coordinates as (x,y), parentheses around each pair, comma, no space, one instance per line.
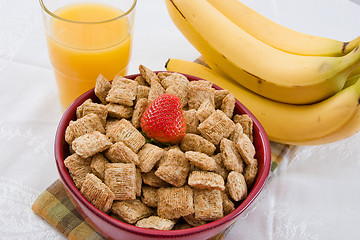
(115,229)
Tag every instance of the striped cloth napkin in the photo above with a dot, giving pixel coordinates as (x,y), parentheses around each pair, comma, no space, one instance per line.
(55,207)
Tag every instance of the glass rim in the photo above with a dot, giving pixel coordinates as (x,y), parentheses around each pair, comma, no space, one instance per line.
(81,22)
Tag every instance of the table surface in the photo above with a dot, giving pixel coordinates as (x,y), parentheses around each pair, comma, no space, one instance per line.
(314,194)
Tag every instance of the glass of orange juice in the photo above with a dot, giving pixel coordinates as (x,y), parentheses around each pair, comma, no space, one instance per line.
(86,39)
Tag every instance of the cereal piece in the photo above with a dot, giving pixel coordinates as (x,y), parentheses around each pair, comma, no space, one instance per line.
(102,87)
(236,134)
(138,180)
(131,211)
(250,173)
(199,92)
(194,222)
(142,92)
(119,152)
(231,156)
(246,149)
(174,202)
(237,186)
(148,75)
(155,222)
(149,196)
(216,127)
(208,204)
(121,179)
(201,160)
(78,168)
(174,169)
(141,81)
(149,154)
(119,111)
(191,120)
(156,90)
(123,91)
(228,205)
(124,131)
(168,79)
(87,124)
(206,180)
(98,194)
(98,162)
(90,144)
(152,180)
(205,110)
(220,169)
(193,142)
(228,105)
(90,107)
(139,110)
(219,96)
(246,123)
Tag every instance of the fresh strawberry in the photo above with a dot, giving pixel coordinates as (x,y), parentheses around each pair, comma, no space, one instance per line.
(163,120)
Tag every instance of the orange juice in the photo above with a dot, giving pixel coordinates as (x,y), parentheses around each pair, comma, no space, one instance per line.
(91,41)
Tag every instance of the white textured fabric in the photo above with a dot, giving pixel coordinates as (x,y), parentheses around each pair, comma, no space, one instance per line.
(314,194)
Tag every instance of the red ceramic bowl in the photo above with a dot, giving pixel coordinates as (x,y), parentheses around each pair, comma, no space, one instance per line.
(115,229)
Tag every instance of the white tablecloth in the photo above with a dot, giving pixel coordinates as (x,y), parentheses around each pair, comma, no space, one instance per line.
(315,194)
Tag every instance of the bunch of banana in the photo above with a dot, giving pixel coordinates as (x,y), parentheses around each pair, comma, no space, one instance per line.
(273,61)
(330,120)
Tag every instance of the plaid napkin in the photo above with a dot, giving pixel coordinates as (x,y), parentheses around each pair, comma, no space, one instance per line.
(55,207)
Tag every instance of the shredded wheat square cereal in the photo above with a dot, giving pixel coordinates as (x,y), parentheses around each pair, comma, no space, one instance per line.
(78,168)
(231,156)
(90,144)
(149,196)
(194,142)
(236,185)
(97,165)
(123,91)
(131,211)
(90,107)
(102,87)
(206,180)
(152,180)
(155,222)
(246,123)
(148,75)
(199,92)
(191,120)
(201,160)
(139,110)
(119,111)
(246,149)
(205,110)
(208,204)
(119,152)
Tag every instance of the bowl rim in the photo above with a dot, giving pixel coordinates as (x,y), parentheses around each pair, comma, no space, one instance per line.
(68,182)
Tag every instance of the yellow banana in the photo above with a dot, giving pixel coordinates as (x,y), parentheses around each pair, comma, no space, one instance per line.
(267,71)
(317,123)
(279,36)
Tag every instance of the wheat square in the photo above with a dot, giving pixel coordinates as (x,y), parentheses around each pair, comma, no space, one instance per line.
(231,157)
(78,168)
(199,92)
(194,142)
(98,162)
(246,123)
(131,211)
(175,202)
(141,81)
(236,185)
(121,179)
(87,124)
(149,154)
(142,92)
(152,180)
(102,87)
(191,120)
(194,222)
(220,168)
(228,105)
(228,205)
(201,160)
(246,149)
(149,196)
(139,110)
(205,110)
(124,131)
(138,181)
(90,144)
(156,222)
(250,173)
(148,75)
(216,127)
(119,152)
(208,204)
(156,90)
(119,111)
(90,107)
(219,96)
(174,169)
(206,180)
(236,134)
(169,79)
(123,91)
(98,194)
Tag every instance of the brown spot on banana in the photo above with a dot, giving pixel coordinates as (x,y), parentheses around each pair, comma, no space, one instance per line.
(177,9)
(344,46)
